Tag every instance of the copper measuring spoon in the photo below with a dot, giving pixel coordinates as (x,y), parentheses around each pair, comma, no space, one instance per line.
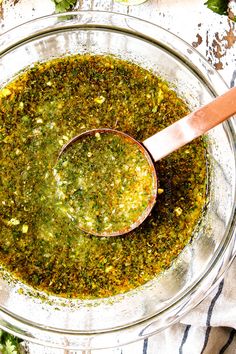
(168,140)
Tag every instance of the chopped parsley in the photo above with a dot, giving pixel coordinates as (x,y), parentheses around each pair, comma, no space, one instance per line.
(106,183)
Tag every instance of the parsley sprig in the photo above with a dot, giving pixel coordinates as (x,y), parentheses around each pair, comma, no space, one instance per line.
(218,6)
(64,5)
(222,7)
(9,344)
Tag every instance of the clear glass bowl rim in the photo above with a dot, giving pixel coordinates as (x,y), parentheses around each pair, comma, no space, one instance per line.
(25,32)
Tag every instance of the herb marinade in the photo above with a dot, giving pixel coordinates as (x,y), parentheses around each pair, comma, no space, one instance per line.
(42,109)
(105,182)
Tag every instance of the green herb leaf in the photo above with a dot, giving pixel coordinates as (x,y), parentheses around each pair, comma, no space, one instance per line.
(11,347)
(64,5)
(9,344)
(218,6)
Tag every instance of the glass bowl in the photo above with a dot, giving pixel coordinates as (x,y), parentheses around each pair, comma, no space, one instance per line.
(110,322)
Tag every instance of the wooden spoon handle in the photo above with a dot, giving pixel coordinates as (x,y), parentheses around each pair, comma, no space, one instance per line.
(192,126)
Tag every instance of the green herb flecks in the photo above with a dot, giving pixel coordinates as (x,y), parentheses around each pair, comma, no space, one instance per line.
(106,182)
(41,110)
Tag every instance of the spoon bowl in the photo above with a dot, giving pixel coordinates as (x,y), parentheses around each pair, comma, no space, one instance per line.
(109,181)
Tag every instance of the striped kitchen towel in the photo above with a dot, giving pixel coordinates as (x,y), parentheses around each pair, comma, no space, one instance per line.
(208,329)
